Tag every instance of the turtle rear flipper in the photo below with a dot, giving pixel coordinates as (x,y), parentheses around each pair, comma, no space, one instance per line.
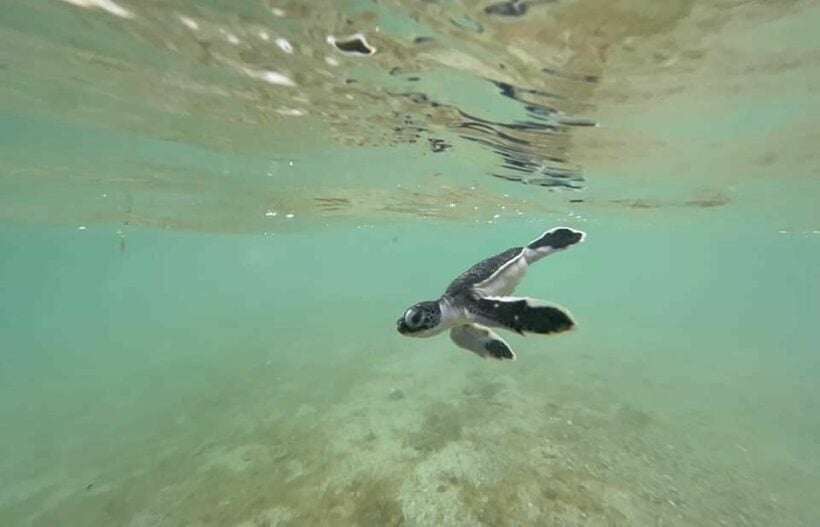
(522,315)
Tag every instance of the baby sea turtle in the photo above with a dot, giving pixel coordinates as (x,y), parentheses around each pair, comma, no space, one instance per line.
(479,299)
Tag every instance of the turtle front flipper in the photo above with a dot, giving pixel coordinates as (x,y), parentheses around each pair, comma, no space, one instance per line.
(482,341)
(522,315)
(552,241)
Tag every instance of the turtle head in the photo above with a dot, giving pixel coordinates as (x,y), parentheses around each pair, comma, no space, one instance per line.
(420,320)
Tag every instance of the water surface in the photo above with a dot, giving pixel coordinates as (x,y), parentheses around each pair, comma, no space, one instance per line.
(211,218)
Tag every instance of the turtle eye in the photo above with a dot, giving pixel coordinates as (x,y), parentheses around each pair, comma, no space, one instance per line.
(411,318)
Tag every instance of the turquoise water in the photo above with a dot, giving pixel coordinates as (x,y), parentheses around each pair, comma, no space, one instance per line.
(200,285)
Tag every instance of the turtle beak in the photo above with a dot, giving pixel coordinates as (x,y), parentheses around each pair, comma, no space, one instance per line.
(401,326)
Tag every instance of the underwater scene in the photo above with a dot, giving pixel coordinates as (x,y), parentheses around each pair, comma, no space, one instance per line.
(474,263)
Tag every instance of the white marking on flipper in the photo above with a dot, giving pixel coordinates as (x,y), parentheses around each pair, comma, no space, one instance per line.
(531,302)
(475,338)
